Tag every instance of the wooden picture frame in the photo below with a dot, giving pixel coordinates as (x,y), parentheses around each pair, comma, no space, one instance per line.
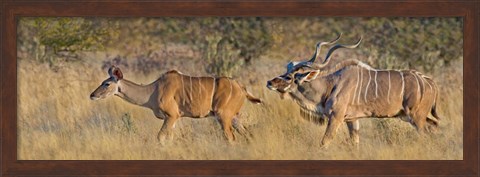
(11,10)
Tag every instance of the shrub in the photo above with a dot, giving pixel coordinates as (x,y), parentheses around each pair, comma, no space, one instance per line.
(57,39)
(224,44)
(422,43)
(128,124)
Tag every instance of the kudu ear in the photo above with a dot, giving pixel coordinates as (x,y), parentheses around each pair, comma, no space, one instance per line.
(115,72)
(307,77)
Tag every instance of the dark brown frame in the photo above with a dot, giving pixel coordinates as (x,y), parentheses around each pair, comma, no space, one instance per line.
(11,10)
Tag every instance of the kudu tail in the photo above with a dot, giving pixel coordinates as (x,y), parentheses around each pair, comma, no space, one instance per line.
(253,99)
(434,111)
(249,96)
(433,121)
(434,107)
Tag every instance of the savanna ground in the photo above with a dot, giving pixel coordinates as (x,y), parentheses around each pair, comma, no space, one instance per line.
(57,120)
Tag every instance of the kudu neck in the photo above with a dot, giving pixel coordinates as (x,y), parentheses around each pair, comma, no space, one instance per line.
(310,95)
(304,102)
(135,93)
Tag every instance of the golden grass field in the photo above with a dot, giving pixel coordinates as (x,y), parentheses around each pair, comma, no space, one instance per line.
(58,121)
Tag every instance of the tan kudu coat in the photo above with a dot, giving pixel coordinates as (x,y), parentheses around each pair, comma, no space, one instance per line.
(176,95)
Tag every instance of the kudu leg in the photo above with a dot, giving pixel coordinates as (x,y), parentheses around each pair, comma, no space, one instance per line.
(420,119)
(166,130)
(334,122)
(432,125)
(226,122)
(336,115)
(353,128)
(416,118)
(237,125)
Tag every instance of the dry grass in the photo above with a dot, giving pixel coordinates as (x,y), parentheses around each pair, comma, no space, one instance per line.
(57,120)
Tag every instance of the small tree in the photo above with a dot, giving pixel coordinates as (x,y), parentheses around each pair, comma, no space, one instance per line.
(226,43)
(59,38)
(249,35)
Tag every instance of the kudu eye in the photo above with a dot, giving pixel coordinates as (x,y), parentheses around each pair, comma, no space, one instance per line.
(106,84)
(288,78)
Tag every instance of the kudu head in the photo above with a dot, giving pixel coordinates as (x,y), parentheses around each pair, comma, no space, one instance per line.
(304,71)
(310,71)
(109,86)
(285,82)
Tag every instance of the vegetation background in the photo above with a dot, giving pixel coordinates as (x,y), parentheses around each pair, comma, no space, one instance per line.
(62,60)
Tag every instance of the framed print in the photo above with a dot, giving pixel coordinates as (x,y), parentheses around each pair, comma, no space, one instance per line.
(231,88)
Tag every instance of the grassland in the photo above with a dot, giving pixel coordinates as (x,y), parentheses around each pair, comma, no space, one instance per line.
(57,120)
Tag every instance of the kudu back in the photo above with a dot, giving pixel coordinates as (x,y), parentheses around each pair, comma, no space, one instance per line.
(174,95)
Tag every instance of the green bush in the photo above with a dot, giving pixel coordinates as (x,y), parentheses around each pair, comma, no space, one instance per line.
(223,43)
(422,43)
(426,44)
(58,39)
(226,43)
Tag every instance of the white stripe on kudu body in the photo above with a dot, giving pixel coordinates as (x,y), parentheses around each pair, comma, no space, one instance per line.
(191,88)
(418,85)
(213,92)
(200,89)
(361,83)
(230,93)
(368,83)
(403,84)
(356,85)
(428,84)
(388,95)
(376,84)
(418,74)
(183,89)
(423,82)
